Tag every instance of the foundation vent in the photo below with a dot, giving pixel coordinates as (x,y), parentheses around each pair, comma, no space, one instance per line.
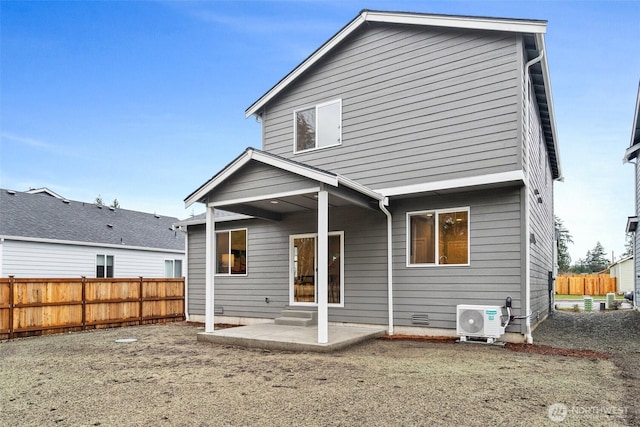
(420,318)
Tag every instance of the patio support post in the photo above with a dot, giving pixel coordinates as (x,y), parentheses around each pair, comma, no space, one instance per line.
(210,253)
(323,266)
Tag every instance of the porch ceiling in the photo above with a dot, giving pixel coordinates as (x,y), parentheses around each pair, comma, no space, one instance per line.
(274,208)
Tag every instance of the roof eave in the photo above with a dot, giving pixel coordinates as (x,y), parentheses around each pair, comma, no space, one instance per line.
(466,22)
(265,158)
(548,94)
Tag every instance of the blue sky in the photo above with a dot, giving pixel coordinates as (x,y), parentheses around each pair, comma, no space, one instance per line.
(144,101)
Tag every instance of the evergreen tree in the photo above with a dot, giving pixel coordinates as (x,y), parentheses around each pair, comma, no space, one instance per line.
(628,245)
(596,259)
(99,201)
(115,204)
(564,238)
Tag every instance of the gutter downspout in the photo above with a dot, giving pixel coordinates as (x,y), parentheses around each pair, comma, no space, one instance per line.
(381,203)
(527,220)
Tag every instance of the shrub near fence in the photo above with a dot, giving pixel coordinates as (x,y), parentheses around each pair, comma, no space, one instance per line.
(585,284)
(40,306)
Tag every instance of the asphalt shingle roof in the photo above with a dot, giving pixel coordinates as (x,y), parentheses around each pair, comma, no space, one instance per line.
(41,216)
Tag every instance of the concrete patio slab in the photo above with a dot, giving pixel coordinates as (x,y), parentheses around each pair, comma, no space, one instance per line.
(291,338)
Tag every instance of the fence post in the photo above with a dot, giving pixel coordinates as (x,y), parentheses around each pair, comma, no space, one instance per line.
(11,306)
(84,303)
(140,301)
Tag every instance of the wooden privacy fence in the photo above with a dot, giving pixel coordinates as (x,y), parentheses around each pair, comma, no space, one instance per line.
(585,284)
(41,306)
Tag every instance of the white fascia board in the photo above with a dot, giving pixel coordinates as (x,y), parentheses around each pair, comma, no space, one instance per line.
(324,49)
(631,153)
(251,154)
(549,95)
(636,117)
(297,169)
(202,221)
(96,245)
(467,22)
(262,197)
(360,188)
(448,184)
(222,176)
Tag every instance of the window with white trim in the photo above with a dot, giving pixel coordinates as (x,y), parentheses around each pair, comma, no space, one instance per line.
(231,252)
(438,237)
(318,127)
(104,266)
(173,268)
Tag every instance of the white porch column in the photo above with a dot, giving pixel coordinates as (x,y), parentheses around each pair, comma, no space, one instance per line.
(210,254)
(323,266)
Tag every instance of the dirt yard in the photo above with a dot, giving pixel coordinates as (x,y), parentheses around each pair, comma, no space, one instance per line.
(166,378)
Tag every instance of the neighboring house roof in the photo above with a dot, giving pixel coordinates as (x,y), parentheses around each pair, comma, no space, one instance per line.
(298,168)
(621,260)
(634,146)
(39,217)
(533,35)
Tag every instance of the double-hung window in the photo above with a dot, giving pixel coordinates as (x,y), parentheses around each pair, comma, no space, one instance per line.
(104,266)
(438,237)
(172,268)
(231,252)
(318,127)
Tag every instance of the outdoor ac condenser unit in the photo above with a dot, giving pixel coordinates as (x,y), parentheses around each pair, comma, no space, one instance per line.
(483,321)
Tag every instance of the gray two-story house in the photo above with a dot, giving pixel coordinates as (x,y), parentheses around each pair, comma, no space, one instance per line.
(407,166)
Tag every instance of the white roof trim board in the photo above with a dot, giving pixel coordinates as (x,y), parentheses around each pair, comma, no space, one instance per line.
(634,146)
(467,22)
(281,163)
(91,244)
(448,184)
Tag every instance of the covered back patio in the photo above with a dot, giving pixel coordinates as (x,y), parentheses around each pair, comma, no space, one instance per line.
(265,186)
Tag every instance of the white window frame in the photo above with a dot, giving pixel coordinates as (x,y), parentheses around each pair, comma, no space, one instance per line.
(291,268)
(95,269)
(173,267)
(317,106)
(436,212)
(246,246)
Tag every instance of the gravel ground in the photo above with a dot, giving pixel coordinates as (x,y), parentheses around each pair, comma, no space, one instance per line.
(167,378)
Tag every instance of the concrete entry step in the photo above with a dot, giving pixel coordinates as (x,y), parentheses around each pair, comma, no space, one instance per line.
(297,318)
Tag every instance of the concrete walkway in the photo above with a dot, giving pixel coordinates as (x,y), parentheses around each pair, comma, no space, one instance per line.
(291,338)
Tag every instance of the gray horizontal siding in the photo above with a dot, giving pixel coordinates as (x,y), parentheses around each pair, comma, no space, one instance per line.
(257,179)
(495,259)
(268,267)
(195,273)
(419,104)
(540,216)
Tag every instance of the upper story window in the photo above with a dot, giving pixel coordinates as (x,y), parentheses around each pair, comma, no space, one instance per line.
(439,237)
(231,252)
(318,127)
(104,266)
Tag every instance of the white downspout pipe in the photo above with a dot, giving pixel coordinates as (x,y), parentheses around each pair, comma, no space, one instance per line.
(527,220)
(389,262)
(210,253)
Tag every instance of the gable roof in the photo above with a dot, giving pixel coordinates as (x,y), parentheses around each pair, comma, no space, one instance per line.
(270,159)
(533,36)
(634,146)
(39,217)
